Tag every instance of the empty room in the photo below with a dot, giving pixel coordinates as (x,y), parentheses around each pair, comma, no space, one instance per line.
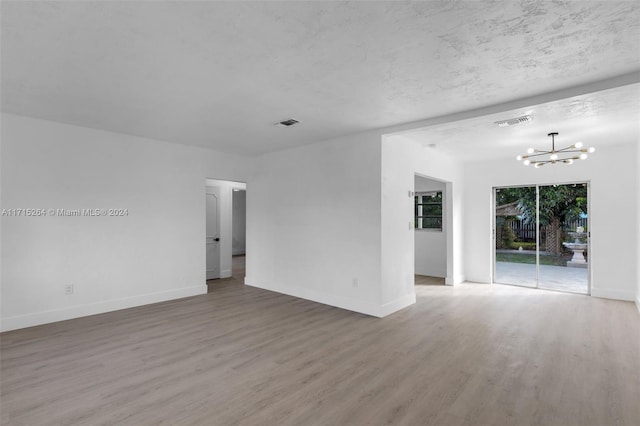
(320,213)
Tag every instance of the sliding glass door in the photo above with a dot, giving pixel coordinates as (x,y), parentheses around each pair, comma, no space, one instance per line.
(542,237)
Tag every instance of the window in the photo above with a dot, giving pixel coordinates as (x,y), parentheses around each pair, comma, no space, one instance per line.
(428,210)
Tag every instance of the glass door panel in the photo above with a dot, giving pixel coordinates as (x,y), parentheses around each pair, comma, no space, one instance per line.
(564,252)
(516,239)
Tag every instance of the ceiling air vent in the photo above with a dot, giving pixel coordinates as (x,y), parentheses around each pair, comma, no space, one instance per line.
(287,123)
(513,121)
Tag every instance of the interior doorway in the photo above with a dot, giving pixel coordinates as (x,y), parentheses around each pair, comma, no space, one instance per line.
(239,234)
(239,221)
(541,237)
(225,231)
(430,236)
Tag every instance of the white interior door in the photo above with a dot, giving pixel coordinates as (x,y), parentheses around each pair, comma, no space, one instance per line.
(213,232)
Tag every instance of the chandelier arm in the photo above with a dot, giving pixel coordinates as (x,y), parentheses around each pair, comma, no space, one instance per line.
(556,160)
(537,154)
(568,158)
(572,149)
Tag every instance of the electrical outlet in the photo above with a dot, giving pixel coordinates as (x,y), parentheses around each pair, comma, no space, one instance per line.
(68,289)
(354,282)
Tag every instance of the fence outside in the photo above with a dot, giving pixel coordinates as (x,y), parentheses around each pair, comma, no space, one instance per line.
(571,225)
(527,231)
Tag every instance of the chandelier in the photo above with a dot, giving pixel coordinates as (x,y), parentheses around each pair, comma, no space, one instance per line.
(566,155)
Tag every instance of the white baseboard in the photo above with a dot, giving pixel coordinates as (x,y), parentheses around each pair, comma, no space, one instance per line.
(348,304)
(398,304)
(478,280)
(613,294)
(46,317)
(225,273)
(457,279)
(326,299)
(638,302)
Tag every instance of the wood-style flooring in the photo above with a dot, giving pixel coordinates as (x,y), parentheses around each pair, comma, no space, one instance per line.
(426,280)
(237,274)
(465,355)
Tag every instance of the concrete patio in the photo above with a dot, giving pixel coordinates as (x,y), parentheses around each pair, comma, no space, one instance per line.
(560,278)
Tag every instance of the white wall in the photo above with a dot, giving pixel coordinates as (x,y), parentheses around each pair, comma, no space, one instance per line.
(239,233)
(155,253)
(401,160)
(313,223)
(637,147)
(226,221)
(330,222)
(324,215)
(431,245)
(613,216)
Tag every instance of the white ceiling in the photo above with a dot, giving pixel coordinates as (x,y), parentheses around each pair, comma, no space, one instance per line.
(218,74)
(598,119)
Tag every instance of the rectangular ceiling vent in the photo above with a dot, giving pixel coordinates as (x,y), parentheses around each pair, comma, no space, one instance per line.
(514,121)
(287,123)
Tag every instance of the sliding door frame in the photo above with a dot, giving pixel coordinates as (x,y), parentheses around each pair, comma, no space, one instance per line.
(537,269)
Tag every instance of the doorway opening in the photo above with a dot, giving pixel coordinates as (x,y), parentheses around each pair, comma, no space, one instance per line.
(239,233)
(541,237)
(225,212)
(430,236)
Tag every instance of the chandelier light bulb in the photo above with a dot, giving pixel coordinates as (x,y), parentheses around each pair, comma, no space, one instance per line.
(538,165)
(530,151)
(554,156)
(590,150)
(526,162)
(569,161)
(519,157)
(583,156)
(578,145)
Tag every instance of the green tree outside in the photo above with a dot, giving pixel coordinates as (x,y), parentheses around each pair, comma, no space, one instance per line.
(558,203)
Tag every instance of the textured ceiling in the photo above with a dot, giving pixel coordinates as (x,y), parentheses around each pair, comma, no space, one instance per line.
(218,74)
(597,119)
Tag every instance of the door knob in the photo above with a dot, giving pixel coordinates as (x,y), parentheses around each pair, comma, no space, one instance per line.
(216,239)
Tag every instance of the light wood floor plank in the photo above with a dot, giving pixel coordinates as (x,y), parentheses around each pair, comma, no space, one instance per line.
(464,355)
